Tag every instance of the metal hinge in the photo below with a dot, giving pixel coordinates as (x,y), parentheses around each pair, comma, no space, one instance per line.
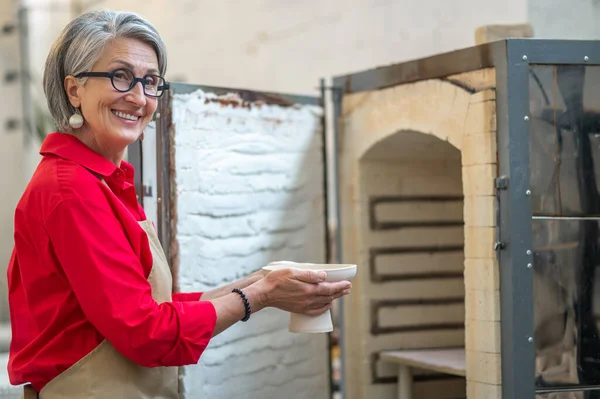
(501,183)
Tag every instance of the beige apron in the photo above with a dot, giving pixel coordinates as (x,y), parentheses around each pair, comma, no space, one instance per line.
(106,374)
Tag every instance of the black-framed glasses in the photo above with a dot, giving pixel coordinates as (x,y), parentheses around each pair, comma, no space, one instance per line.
(124,80)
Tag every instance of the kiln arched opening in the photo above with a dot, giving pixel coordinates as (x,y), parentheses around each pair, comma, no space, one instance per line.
(411,206)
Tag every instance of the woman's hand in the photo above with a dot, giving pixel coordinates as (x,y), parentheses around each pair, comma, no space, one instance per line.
(299,291)
(292,290)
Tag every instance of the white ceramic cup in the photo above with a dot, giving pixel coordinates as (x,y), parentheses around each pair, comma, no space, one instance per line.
(335,272)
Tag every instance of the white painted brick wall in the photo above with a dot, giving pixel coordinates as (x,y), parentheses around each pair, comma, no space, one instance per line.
(250,191)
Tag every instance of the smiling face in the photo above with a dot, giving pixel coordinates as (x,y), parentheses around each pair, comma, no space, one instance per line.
(113,119)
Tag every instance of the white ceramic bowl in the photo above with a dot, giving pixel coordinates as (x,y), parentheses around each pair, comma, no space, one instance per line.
(335,272)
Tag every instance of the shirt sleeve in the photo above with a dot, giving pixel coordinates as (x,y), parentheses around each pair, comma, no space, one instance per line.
(186,296)
(108,280)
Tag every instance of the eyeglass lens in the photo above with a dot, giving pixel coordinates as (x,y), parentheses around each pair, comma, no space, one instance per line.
(124,80)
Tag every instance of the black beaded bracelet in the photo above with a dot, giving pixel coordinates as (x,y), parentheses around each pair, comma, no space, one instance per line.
(246,303)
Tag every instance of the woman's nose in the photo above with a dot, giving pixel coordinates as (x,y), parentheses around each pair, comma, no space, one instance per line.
(136,95)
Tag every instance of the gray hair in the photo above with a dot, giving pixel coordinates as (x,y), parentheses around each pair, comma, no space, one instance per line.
(78,47)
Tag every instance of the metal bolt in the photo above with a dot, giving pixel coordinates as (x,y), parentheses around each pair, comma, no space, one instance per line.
(529,266)
(526,118)
(528,252)
(530,339)
(528,193)
(524,58)
(586,58)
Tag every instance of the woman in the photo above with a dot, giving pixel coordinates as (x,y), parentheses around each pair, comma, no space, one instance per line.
(92,311)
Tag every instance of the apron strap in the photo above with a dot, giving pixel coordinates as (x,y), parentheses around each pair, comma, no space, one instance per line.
(29,392)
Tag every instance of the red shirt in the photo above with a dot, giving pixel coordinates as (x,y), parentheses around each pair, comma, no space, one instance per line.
(79,269)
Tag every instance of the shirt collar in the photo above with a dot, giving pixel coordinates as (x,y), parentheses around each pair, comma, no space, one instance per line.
(70,148)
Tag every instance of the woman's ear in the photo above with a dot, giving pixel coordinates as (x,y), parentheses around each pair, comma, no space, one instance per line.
(72,89)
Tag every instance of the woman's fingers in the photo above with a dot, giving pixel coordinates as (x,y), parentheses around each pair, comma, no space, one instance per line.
(330,289)
(309,276)
(319,310)
(323,300)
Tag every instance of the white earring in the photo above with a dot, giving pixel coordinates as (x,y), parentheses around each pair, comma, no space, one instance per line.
(76,120)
